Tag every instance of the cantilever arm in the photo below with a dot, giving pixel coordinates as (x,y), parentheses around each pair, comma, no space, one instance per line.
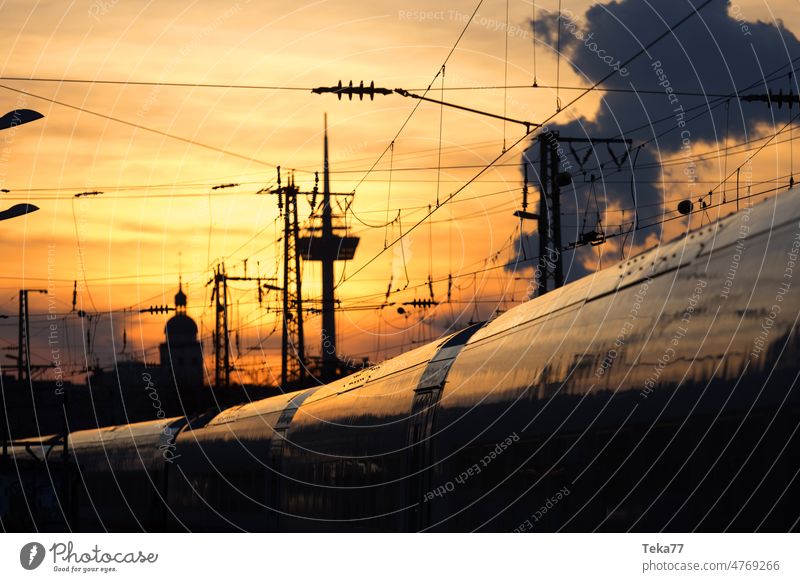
(528,124)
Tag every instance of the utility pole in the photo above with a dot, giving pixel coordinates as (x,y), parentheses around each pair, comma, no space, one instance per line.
(549,217)
(24,326)
(553,177)
(327,247)
(219,298)
(293,366)
(23,358)
(293,357)
(292,338)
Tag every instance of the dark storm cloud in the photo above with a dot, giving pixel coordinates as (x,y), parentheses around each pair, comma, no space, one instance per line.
(721,50)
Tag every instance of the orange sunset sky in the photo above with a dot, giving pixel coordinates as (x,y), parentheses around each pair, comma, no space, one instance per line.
(158,216)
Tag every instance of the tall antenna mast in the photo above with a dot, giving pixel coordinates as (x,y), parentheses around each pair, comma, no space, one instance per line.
(329,353)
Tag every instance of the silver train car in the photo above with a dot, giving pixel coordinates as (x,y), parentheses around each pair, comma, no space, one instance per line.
(658,394)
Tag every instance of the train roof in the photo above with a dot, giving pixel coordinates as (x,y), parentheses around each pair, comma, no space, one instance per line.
(651,262)
(133,431)
(276,404)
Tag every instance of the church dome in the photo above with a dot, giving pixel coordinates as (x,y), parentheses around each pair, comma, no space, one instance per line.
(181,327)
(180,298)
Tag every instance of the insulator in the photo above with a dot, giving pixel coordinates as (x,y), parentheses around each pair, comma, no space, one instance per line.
(525,188)
(449,286)
(421,303)
(315,191)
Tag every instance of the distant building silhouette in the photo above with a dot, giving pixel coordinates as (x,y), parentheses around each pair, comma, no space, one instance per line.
(181,356)
(130,391)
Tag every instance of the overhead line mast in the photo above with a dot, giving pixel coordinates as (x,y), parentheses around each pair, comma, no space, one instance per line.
(321,243)
(294,365)
(553,177)
(221,337)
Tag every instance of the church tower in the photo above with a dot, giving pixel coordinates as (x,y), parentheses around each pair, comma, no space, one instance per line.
(181,354)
